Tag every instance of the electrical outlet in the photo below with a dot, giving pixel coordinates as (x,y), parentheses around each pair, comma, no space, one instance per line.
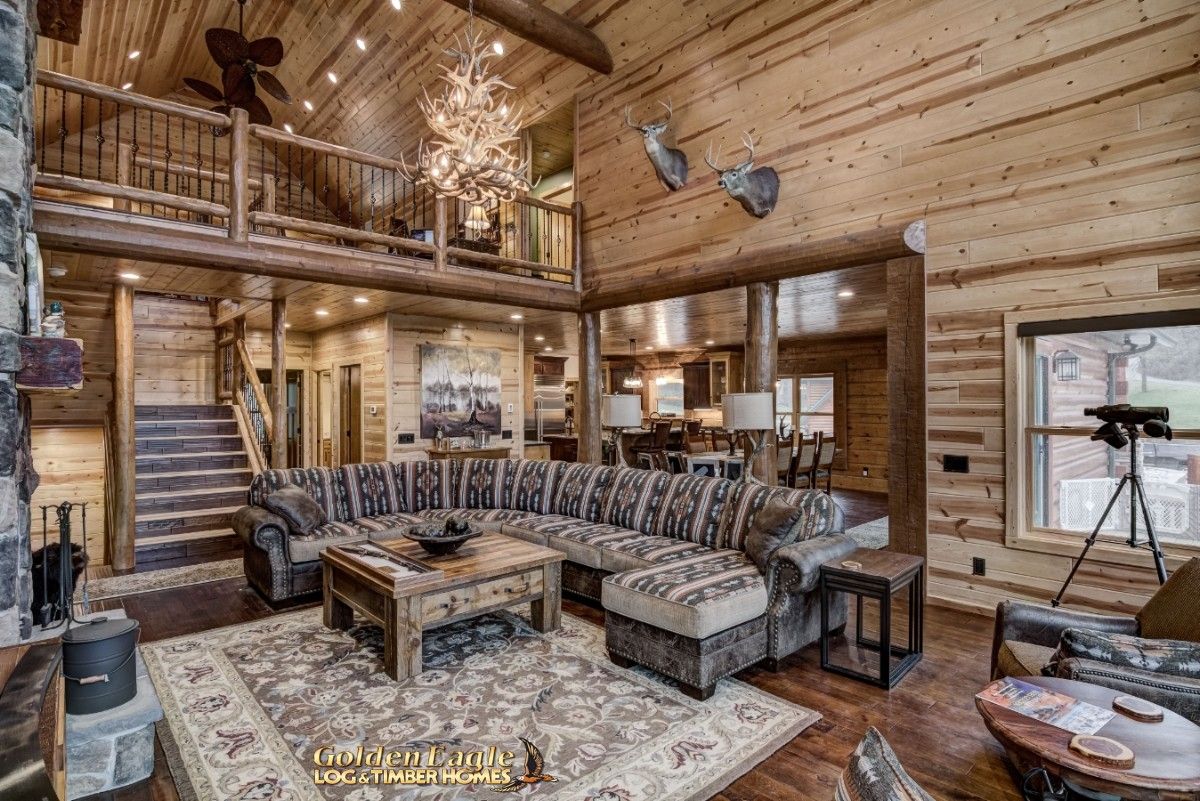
(406,439)
(978,566)
(952,463)
(510,408)
(866,472)
(506,433)
(374,410)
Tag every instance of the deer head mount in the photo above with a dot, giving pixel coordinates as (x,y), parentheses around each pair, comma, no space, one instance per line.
(670,164)
(756,189)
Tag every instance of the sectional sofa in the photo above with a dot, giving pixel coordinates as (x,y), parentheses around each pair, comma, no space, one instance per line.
(663,553)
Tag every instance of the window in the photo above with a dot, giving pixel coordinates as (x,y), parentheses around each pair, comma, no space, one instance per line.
(1067,366)
(668,399)
(807,402)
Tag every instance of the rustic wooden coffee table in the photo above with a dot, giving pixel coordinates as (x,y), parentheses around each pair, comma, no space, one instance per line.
(486,574)
(1166,754)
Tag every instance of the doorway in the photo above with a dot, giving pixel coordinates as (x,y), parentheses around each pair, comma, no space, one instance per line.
(324,418)
(295,420)
(350,414)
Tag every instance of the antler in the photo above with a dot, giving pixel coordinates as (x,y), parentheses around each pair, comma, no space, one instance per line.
(670,110)
(708,159)
(629,121)
(748,142)
(642,126)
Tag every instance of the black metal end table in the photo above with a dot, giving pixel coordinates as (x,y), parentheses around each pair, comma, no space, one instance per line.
(879,575)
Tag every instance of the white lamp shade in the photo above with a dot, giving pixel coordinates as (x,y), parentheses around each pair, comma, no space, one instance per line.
(621,411)
(477,219)
(748,411)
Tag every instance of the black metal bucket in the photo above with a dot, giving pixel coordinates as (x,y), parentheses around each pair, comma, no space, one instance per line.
(99,665)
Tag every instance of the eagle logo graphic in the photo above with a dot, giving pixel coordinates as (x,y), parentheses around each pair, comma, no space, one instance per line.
(535,763)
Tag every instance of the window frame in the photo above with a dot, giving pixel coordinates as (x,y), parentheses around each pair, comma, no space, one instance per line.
(1020,430)
(836,370)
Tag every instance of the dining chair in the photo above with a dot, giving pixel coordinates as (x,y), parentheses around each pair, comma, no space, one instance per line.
(804,459)
(658,441)
(823,468)
(783,457)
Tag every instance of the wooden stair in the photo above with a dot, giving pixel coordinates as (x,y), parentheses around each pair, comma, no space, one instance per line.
(192,475)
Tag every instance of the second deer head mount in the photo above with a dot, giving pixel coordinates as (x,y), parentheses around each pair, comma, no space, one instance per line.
(756,189)
(670,164)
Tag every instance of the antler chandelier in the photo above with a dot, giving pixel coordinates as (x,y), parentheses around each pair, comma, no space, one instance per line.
(474,130)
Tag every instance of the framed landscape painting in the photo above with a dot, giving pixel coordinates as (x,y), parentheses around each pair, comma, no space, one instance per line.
(460,390)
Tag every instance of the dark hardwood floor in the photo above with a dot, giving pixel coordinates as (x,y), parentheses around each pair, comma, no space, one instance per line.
(929,718)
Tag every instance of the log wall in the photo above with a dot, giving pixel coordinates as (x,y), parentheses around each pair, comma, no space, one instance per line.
(364,342)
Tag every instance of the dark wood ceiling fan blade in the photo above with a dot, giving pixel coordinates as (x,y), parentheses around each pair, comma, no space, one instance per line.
(204,89)
(273,87)
(266,52)
(226,47)
(238,83)
(257,110)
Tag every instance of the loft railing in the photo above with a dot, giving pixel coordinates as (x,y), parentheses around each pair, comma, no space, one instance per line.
(103,146)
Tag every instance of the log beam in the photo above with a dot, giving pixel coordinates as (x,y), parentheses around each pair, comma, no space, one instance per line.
(279,384)
(590,443)
(547,29)
(908,516)
(762,360)
(121,543)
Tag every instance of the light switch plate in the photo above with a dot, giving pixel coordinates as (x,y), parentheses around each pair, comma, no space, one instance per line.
(510,408)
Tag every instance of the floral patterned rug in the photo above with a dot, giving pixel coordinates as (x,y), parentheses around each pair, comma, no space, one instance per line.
(247,707)
(154,580)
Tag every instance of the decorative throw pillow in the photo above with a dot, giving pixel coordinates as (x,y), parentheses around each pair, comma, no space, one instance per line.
(1173,657)
(294,505)
(777,524)
(875,774)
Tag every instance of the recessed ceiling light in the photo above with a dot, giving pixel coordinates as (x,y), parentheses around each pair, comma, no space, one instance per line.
(846,293)
(710,342)
(649,347)
(539,338)
(547,349)
(361,299)
(321,313)
(396,4)
(332,76)
(287,126)
(360,43)
(308,106)
(130,276)
(516,316)
(127,85)
(133,54)
(287,325)
(57,271)
(498,47)
(545,154)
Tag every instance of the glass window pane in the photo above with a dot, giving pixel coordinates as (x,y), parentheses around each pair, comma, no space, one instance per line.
(669,392)
(783,395)
(1078,477)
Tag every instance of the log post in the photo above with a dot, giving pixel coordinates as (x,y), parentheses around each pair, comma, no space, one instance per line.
(440,220)
(279,384)
(239,175)
(907,501)
(239,334)
(587,428)
(122,555)
(762,358)
(533,22)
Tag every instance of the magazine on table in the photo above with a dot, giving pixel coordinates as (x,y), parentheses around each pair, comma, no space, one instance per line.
(1057,709)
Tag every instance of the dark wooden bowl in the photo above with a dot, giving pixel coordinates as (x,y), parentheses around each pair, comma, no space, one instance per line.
(434,538)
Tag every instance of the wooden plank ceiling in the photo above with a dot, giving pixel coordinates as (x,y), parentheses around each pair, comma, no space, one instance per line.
(810,306)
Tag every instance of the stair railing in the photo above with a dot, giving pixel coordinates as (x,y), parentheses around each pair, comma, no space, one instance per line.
(252,399)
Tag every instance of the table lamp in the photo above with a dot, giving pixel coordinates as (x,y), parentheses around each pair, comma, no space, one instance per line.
(753,414)
(618,413)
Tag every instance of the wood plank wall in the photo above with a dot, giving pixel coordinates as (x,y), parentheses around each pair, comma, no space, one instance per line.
(863,361)
(173,353)
(363,342)
(89,314)
(408,333)
(70,461)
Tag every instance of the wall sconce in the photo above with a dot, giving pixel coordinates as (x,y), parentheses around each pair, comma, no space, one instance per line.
(1065,365)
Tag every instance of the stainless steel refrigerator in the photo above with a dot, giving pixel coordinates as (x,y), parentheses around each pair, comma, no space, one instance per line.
(549,412)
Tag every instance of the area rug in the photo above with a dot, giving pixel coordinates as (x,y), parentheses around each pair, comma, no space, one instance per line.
(154,580)
(873,534)
(248,707)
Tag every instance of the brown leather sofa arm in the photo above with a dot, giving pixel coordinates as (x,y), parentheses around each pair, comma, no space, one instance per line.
(804,559)
(1180,694)
(1043,625)
(260,528)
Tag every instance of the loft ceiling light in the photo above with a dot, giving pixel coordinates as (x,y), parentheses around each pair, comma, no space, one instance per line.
(470,155)
(633,380)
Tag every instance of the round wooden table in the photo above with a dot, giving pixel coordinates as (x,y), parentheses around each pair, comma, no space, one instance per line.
(1167,754)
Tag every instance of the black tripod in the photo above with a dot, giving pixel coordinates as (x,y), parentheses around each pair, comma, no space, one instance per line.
(1137,501)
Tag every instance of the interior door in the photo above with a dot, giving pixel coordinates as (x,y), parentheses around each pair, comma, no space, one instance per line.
(350,414)
(295,420)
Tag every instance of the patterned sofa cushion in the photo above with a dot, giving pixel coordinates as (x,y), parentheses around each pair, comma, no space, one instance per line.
(875,774)
(531,485)
(581,489)
(426,483)
(691,509)
(371,489)
(322,485)
(1173,657)
(308,547)
(695,597)
(481,515)
(581,541)
(481,482)
(633,498)
(745,502)
(644,550)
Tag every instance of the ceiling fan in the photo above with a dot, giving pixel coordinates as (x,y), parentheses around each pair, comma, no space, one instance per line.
(241,63)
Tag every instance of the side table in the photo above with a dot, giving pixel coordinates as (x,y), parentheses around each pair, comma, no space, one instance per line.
(882,574)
